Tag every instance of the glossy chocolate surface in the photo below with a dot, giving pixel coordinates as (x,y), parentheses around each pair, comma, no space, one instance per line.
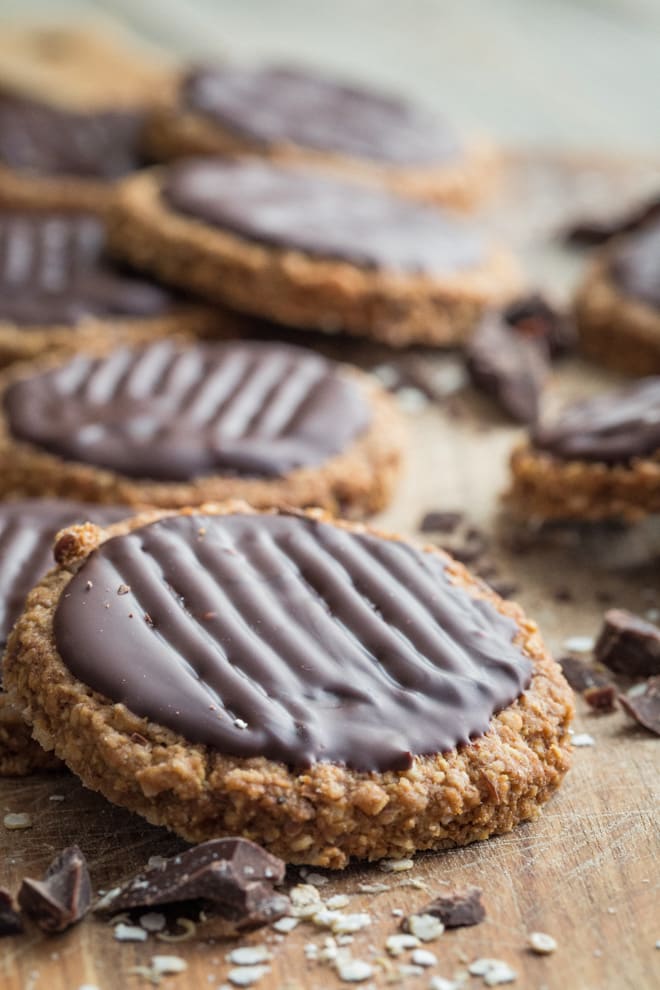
(322,216)
(54,272)
(42,140)
(615,427)
(280,105)
(27,532)
(174,413)
(279,636)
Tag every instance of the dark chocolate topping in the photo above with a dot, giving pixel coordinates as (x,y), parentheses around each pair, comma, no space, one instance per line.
(27,532)
(613,428)
(274,105)
(323,216)
(635,266)
(174,413)
(44,140)
(283,637)
(53,271)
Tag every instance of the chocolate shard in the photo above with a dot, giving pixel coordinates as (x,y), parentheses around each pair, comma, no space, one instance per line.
(235,875)
(592,232)
(601,698)
(64,895)
(458,909)
(508,366)
(440,522)
(644,706)
(534,317)
(10,922)
(628,645)
(580,675)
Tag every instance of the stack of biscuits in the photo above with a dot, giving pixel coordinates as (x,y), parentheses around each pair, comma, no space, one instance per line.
(198,621)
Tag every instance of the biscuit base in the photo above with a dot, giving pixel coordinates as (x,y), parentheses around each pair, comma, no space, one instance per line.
(297,290)
(100,334)
(20,754)
(22,191)
(616,330)
(549,488)
(324,815)
(460,182)
(357,482)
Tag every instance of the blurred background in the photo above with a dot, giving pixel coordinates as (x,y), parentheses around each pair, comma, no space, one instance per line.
(582,75)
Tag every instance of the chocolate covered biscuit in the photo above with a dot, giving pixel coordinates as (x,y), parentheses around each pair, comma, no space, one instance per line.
(312,251)
(334,680)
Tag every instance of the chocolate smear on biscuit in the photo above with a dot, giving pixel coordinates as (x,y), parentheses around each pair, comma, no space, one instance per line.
(10,922)
(63,896)
(459,908)
(235,875)
(628,644)
(644,705)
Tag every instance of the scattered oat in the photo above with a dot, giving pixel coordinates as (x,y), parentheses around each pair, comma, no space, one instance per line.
(167,965)
(316,879)
(130,933)
(247,976)
(441,983)
(395,865)
(249,955)
(354,970)
(56,797)
(286,924)
(17,820)
(583,739)
(341,924)
(423,957)
(425,927)
(407,969)
(494,971)
(338,901)
(305,900)
(396,945)
(541,943)
(579,644)
(373,888)
(240,723)
(153,921)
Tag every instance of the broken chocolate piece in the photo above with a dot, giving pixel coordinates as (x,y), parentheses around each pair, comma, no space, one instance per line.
(580,675)
(592,232)
(508,366)
(236,875)
(10,922)
(533,316)
(458,909)
(440,522)
(628,645)
(602,698)
(644,706)
(63,897)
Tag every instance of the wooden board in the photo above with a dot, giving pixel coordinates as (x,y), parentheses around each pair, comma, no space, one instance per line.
(585,872)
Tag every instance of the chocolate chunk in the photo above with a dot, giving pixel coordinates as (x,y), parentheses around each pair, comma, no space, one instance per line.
(628,645)
(644,707)
(64,895)
(10,922)
(534,317)
(323,216)
(634,265)
(440,522)
(458,909)
(283,105)
(602,698)
(509,366)
(614,427)
(171,412)
(375,630)
(590,233)
(235,875)
(580,675)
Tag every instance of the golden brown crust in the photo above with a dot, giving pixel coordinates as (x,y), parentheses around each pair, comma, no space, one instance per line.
(546,487)
(174,133)
(20,754)
(324,815)
(616,330)
(96,334)
(292,288)
(357,482)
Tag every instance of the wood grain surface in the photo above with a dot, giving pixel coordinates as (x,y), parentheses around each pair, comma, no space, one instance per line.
(585,872)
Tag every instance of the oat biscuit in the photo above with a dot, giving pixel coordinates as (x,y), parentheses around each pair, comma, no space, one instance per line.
(618,304)
(292,116)
(332,703)
(174,424)
(311,251)
(60,292)
(27,532)
(600,459)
